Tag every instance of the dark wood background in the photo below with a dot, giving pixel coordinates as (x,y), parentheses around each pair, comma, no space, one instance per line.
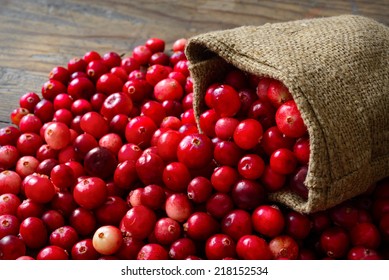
(36,35)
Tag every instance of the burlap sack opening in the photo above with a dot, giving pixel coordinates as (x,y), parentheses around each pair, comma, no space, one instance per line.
(337,69)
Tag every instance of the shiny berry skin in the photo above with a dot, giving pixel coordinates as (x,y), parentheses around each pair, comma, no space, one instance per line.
(195,150)
(167,231)
(268,220)
(116,103)
(224,178)
(52,88)
(84,250)
(182,248)
(139,222)
(139,131)
(81,87)
(100,162)
(142,54)
(252,247)
(289,120)
(278,93)
(237,223)
(271,180)
(83,221)
(94,124)
(251,166)
(33,232)
(52,252)
(219,204)
(90,193)
(9,225)
(225,101)
(176,176)
(178,207)
(366,235)
(153,251)
(362,253)
(201,226)
(219,246)
(296,182)
(283,161)
(64,237)
(248,194)
(297,225)
(285,247)
(39,188)
(107,240)
(29,100)
(149,167)
(168,89)
(248,134)
(335,241)
(57,135)
(199,189)
(301,150)
(10,182)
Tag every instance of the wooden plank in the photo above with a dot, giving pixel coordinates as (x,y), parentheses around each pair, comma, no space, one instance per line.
(36,35)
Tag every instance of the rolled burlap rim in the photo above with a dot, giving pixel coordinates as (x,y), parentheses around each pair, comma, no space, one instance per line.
(337,70)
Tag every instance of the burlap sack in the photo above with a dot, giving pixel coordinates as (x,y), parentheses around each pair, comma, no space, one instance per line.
(337,70)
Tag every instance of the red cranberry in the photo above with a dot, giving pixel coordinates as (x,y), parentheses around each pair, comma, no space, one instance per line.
(201,226)
(139,222)
(284,247)
(153,251)
(219,246)
(182,248)
(252,247)
(11,247)
(195,150)
(236,224)
(268,220)
(33,232)
(335,242)
(84,250)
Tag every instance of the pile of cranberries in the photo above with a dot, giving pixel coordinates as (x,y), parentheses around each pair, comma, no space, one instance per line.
(108,163)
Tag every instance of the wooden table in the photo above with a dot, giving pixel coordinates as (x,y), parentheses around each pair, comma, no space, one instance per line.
(36,35)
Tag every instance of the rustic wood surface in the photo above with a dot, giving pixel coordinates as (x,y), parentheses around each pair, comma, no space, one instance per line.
(36,35)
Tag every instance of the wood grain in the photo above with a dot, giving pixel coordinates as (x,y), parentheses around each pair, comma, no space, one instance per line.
(36,35)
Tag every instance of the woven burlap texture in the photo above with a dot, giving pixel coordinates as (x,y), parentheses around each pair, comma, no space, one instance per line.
(337,70)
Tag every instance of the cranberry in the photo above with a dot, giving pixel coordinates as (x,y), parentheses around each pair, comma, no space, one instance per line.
(366,235)
(289,120)
(111,59)
(167,145)
(53,219)
(9,225)
(224,178)
(57,135)
(52,252)
(252,247)
(182,248)
(94,124)
(9,156)
(153,251)
(199,189)
(268,220)
(297,225)
(9,135)
(64,237)
(149,168)
(176,176)
(219,204)
(11,247)
(39,188)
(178,207)
(52,88)
(248,134)
(129,248)
(10,182)
(236,224)
(362,253)
(30,123)
(84,250)
(248,194)
(81,87)
(272,180)
(225,100)
(284,247)
(29,100)
(283,161)
(225,127)
(95,69)
(167,231)
(33,232)
(344,215)
(219,246)
(251,166)
(83,221)
(335,242)
(296,182)
(107,240)
(201,226)
(278,93)
(90,193)
(195,150)
(100,162)
(139,222)
(29,143)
